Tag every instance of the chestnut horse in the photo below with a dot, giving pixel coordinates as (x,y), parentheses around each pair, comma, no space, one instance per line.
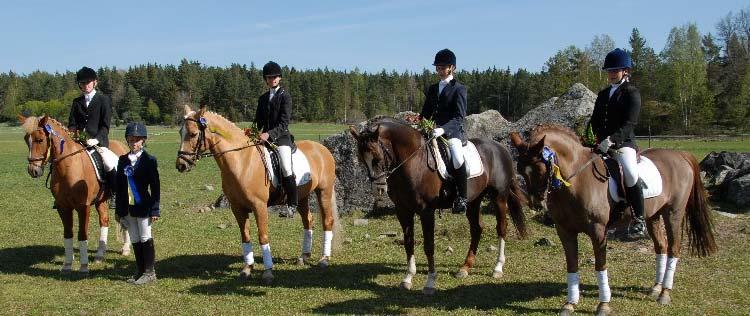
(244,181)
(584,205)
(396,154)
(74,184)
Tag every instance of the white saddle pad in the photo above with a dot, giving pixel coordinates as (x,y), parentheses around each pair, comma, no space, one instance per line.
(650,175)
(473,161)
(300,166)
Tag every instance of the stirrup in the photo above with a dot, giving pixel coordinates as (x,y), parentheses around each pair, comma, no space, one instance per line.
(459,205)
(288,211)
(637,229)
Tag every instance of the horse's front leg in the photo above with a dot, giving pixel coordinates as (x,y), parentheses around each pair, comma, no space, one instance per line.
(66,216)
(569,242)
(475,228)
(260,210)
(655,230)
(599,243)
(501,203)
(241,216)
(83,238)
(307,230)
(103,210)
(428,232)
(406,219)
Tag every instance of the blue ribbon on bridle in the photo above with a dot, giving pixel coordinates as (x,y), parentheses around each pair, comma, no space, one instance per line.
(556,180)
(129,173)
(52,132)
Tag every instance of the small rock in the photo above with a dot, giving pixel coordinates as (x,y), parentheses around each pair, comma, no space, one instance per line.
(389,234)
(348,241)
(643,250)
(544,242)
(208,187)
(361,222)
(491,248)
(367,236)
(202,210)
(449,249)
(591,261)
(222,226)
(211,208)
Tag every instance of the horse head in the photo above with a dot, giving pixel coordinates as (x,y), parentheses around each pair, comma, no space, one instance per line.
(373,154)
(37,139)
(532,166)
(193,138)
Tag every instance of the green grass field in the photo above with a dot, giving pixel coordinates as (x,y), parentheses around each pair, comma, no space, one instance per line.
(198,259)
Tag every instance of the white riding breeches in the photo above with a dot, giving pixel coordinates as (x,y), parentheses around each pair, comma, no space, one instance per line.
(457,152)
(285,158)
(139,228)
(108,157)
(628,159)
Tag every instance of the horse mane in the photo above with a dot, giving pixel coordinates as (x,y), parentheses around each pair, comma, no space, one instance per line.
(226,121)
(380,119)
(540,130)
(30,124)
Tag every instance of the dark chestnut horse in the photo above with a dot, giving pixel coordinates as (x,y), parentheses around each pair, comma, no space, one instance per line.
(244,182)
(396,154)
(73,183)
(584,206)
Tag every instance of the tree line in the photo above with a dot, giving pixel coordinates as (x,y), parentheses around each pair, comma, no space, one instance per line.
(698,83)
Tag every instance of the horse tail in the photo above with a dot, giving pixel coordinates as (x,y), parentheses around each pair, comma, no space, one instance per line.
(516,201)
(338,229)
(699,224)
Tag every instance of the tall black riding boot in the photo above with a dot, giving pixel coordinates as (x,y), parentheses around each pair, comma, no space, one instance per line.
(149,258)
(138,252)
(290,187)
(634,196)
(459,175)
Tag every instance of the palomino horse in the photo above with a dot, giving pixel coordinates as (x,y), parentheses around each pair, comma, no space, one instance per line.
(243,178)
(584,205)
(396,154)
(74,184)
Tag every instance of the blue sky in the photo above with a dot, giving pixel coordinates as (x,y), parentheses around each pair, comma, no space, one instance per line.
(372,35)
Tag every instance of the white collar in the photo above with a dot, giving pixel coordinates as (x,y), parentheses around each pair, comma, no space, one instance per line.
(134,156)
(446,80)
(90,95)
(274,90)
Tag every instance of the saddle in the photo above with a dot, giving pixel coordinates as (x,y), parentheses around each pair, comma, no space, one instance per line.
(441,154)
(300,166)
(649,178)
(98,162)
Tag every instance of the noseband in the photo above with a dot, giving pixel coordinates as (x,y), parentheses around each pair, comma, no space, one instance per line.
(191,157)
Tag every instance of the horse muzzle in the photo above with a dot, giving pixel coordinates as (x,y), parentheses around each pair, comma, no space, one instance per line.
(182,165)
(35,171)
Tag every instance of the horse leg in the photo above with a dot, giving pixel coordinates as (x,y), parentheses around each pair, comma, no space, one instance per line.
(475,228)
(260,210)
(66,216)
(599,243)
(241,217)
(672,225)
(654,226)
(501,203)
(83,238)
(307,230)
(407,226)
(428,233)
(103,210)
(569,241)
(327,204)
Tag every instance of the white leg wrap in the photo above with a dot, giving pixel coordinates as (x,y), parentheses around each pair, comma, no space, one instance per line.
(68,242)
(247,253)
(267,258)
(103,232)
(431,278)
(500,256)
(603,281)
(411,270)
(661,267)
(573,288)
(83,248)
(327,238)
(669,273)
(307,235)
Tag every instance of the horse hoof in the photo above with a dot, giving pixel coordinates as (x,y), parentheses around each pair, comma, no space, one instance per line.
(66,270)
(405,285)
(461,274)
(567,309)
(428,291)
(246,272)
(267,277)
(603,309)
(655,292)
(98,259)
(497,274)
(323,263)
(665,298)
(125,252)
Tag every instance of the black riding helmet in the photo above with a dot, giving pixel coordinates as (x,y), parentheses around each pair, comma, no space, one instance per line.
(444,57)
(85,75)
(136,129)
(271,69)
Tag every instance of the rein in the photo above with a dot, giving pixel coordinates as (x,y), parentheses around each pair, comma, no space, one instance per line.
(46,159)
(388,173)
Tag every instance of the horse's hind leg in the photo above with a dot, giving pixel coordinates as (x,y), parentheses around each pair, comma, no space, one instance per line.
(599,243)
(406,219)
(569,241)
(66,216)
(475,228)
(241,216)
(103,210)
(672,226)
(428,233)
(655,230)
(307,230)
(260,211)
(328,213)
(83,238)
(501,203)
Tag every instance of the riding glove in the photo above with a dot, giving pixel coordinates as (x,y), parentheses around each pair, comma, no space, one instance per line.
(92,142)
(605,144)
(438,132)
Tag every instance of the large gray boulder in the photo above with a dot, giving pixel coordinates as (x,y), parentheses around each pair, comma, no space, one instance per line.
(727,175)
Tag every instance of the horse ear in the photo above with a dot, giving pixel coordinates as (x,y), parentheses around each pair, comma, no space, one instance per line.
(186,110)
(202,110)
(375,129)
(516,141)
(353,131)
(21,118)
(537,148)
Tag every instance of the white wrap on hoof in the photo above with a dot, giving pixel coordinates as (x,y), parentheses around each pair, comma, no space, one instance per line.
(247,253)
(68,242)
(603,281)
(573,288)
(83,248)
(500,258)
(267,258)
(307,236)
(669,273)
(661,267)
(327,239)
(411,270)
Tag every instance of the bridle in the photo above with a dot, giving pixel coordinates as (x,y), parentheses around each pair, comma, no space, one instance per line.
(192,157)
(389,171)
(49,132)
